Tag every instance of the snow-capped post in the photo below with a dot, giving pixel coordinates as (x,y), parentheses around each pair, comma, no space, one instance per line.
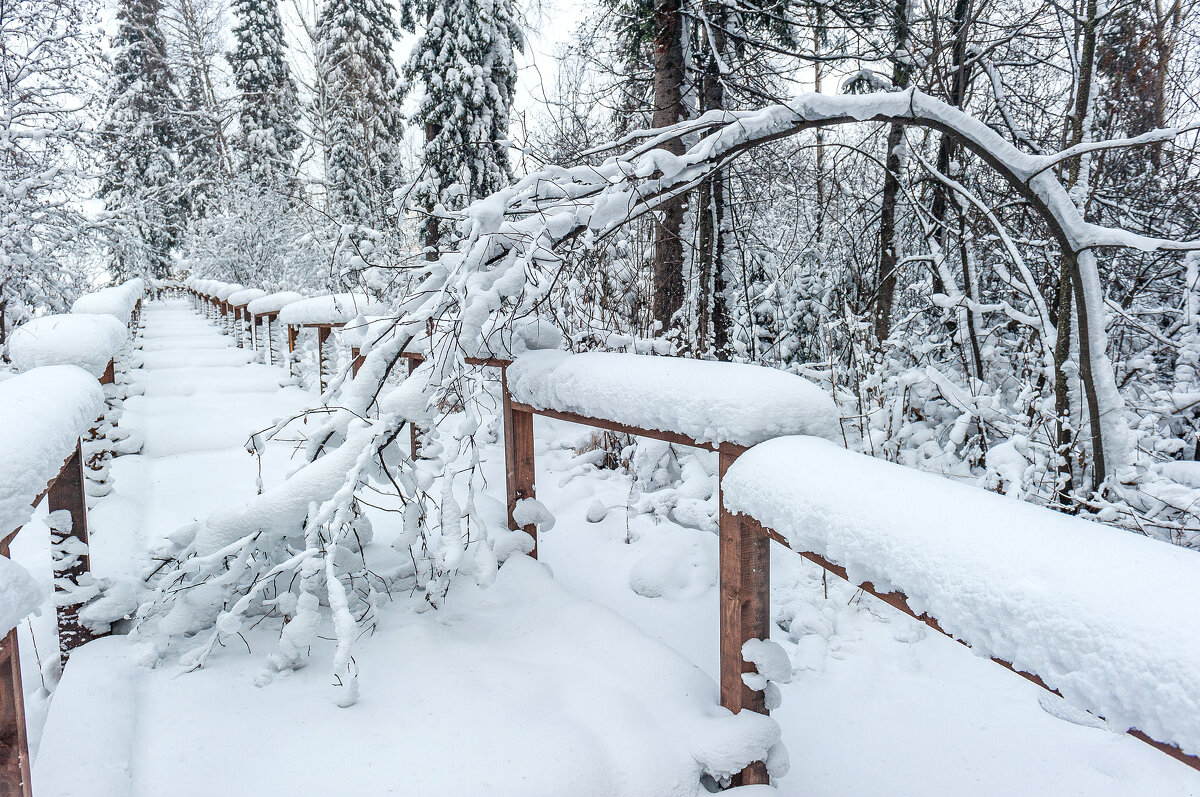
(518,459)
(69,551)
(744,555)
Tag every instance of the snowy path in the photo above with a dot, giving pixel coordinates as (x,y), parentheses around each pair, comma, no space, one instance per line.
(572,685)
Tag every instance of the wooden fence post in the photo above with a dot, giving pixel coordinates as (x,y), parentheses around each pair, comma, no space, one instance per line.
(414,444)
(291,335)
(71,544)
(745,607)
(518,458)
(14,746)
(270,342)
(322,336)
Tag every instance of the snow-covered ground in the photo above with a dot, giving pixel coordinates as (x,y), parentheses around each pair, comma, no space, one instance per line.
(595,680)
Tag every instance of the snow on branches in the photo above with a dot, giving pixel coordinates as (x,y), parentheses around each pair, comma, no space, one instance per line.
(298,546)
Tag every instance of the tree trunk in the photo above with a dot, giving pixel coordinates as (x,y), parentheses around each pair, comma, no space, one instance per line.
(668,109)
(885,284)
(711,305)
(945,156)
(433,232)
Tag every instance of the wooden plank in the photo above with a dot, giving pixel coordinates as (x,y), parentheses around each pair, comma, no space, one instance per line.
(67,494)
(518,459)
(744,560)
(323,332)
(15,780)
(731,449)
(899,601)
(414,442)
(291,338)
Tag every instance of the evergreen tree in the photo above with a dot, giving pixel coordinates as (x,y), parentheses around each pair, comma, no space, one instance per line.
(464,61)
(362,93)
(268,106)
(140,139)
(200,164)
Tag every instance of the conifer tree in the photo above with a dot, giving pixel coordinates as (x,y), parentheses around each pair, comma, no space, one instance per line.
(362,93)
(140,138)
(463,60)
(268,109)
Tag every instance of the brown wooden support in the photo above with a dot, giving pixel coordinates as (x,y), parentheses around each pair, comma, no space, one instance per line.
(356,360)
(518,459)
(270,341)
(14,745)
(414,442)
(745,609)
(237,323)
(67,493)
(323,333)
(291,335)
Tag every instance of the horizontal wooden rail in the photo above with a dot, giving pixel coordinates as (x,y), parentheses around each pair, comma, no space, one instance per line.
(899,601)
(65,492)
(743,564)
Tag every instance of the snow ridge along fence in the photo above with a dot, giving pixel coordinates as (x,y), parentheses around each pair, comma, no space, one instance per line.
(47,410)
(1059,600)
(1026,586)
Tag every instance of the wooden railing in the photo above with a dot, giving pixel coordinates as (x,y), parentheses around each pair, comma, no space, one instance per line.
(744,560)
(64,493)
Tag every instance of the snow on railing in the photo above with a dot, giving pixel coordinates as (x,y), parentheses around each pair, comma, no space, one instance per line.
(1102,616)
(1057,599)
(744,412)
(45,410)
(120,301)
(89,341)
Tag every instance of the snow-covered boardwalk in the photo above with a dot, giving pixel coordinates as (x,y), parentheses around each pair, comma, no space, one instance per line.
(597,680)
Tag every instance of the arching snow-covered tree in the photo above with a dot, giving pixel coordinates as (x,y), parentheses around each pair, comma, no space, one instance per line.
(463,60)
(140,138)
(362,93)
(268,109)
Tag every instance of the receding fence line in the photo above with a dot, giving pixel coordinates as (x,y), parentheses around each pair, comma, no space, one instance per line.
(743,561)
(744,545)
(64,493)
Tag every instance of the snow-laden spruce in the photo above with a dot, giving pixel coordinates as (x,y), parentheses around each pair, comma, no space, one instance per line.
(1104,616)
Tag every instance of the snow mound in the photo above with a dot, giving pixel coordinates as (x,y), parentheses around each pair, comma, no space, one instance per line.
(331,309)
(245,296)
(117,301)
(273,302)
(45,411)
(1102,615)
(20,595)
(86,340)
(712,402)
(512,338)
(227,289)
